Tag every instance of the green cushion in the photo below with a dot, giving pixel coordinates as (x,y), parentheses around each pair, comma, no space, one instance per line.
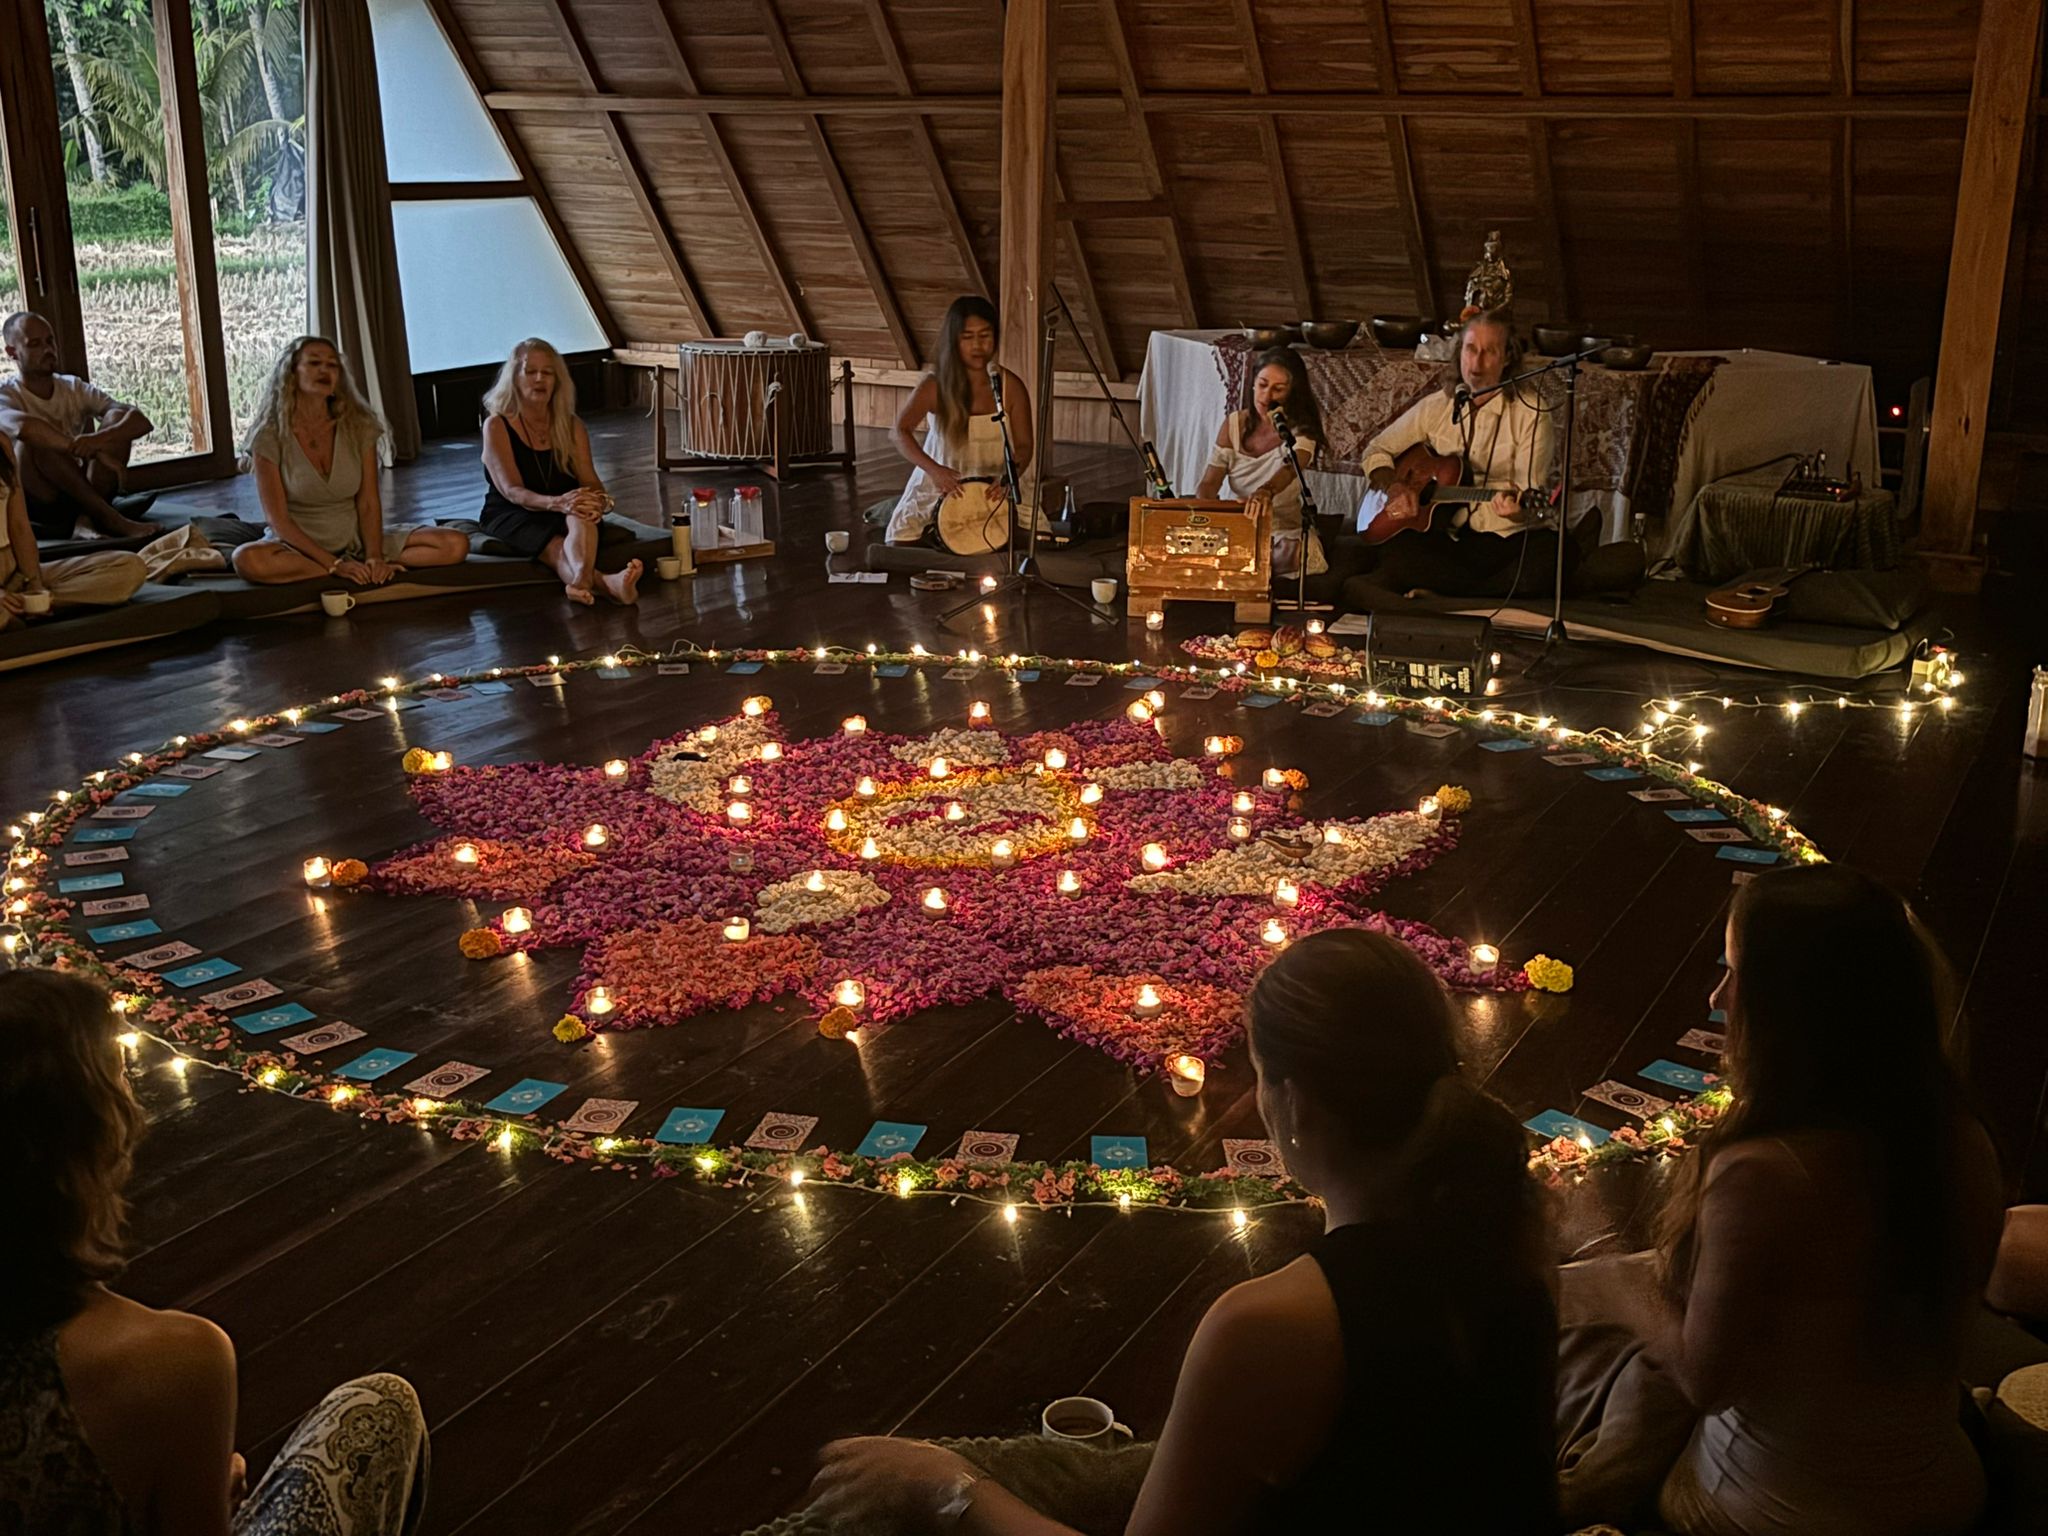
(152,612)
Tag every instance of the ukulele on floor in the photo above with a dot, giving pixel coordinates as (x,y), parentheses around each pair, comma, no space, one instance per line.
(1438,480)
(1746,602)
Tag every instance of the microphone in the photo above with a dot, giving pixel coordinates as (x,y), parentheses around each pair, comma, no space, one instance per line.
(995,379)
(1461,402)
(1278,417)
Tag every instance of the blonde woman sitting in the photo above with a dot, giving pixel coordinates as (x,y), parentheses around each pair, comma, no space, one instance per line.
(314,444)
(956,404)
(542,495)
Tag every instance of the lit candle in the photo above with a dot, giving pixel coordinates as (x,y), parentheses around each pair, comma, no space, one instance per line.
(988,583)
(595,836)
(1153,857)
(1155,620)
(1069,882)
(1240,829)
(709,734)
(815,880)
(738,812)
(1274,778)
(1274,932)
(1315,626)
(1148,1002)
(935,901)
(865,788)
(978,712)
(1188,1073)
(1286,893)
(1077,830)
(853,725)
(615,768)
(940,768)
(1139,711)
(955,811)
(739,861)
(850,994)
(443,761)
(771,751)
(1427,806)
(1155,698)
(1333,833)
(599,1001)
(465,853)
(1055,759)
(516,920)
(870,849)
(757,706)
(1243,803)
(736,929)
(319,872)
(1485,958)
(835,820)
(1091,794)
(1002,853)
(740,784)
(1213,745)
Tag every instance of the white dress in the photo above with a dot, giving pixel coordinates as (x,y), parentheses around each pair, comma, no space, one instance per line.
(981,454)
(1244,473)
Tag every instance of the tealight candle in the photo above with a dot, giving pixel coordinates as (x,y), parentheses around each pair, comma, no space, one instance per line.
(1315,626)
(1148,1002)
(771,751)
(1427,806)
(850,994)
(709,734)
(1286,893)
(988,583)
(1155,698)
(940,768)
(739,811)
(319,872)
(1077,830)
(516,920)
(955,811)
(595,836)
(1153,857)
(1243,803)
(465,853)
(443,761)
(870,849)
(615,768)
(599,1001)
(835,820)
(935,901)
(1139,711)
(1055,759)
(978,712)
(1274,778)
(1213,745)
(1333,833)
(865,788)
(1002,853)
(853,725)
(1485,958)
(740,784)
(757,706)
(739,861)
(736,929)
(815,880)
(1155,619)
(1274,932)
(1188,1073)
(1069,882)
(1091,794)
(1239,829)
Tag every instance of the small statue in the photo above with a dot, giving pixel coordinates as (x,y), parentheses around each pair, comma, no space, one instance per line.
(1490,286)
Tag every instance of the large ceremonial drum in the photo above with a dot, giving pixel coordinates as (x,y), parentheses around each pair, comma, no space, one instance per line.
(733,398)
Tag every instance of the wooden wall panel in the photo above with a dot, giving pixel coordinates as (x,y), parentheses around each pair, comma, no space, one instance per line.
(518,44)
(1765,228)
(1341,174)
(904,220)
(1769,47)
(1236,261)
(1319,46)
(952,45)
(1473,176)
(1915,45)
(1618,47)
(700,208)
(1905,182)
(834,45)
(1621,212)
(1186,45)
(726,48)
(1452,45)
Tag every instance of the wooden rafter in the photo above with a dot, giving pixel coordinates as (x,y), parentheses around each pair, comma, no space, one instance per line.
(1543,192)
(721,159)
(1248,46)
(1842,56)
(1064,230)
(1289,228)
(1532,57)
(1381,30)
(1403,167)
(1682,67)
(1691,227)
(522,162)
(907,349)
(1148,156)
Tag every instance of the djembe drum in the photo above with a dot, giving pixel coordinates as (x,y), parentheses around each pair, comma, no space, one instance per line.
(735,399)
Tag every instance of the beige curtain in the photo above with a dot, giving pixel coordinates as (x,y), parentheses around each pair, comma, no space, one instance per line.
(352,258)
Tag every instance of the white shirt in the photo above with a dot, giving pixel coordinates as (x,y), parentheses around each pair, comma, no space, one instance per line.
(1512,444)
(72,406)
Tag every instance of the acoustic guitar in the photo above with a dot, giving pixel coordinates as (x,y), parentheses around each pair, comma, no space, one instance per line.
(1438,480)
(1746,602)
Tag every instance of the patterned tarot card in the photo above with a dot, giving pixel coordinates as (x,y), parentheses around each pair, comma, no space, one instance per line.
(1261,1159)
(782,1133)
(358,714)
(1706,1040)
(1717,834)
(123,812)
(1435,728)
(446,1080)
(1657,796)
(109,905)
(325,1038)
(96,856)
(545,679)
(241,993)
(232,754)
(672,669)
(829,669)
(1571,760)
(275,739)
(193,771)
(987,1147)
(163,955)
(446,693)
(1630,1101)
(1084,679)
(1203,692)
(1323,709)
(603,1117)
(959,674)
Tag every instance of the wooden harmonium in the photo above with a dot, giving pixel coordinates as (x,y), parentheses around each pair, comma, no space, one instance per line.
(1184,549)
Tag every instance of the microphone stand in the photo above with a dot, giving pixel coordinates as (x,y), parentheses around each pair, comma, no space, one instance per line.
(1023,575)
(1309,515)
(1555,633)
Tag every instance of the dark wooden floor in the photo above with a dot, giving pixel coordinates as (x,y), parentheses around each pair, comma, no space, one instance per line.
(599,1353)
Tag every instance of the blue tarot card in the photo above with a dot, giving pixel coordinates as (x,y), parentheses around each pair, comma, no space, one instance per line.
(893,669)
(77,883)
(1696,815)
(1028,675)
(1739,855)
(890,1138)
(159,791)
(316,727)
(280,1017)
(1372,717)
(491,687)
(615,673)
(1718,1016)
(1140,684)
(402,704)
(1507,744)
(524,1096)
(1117,1151)
(1555,1122)
(1613,775)
(1672,1075)
(103,835)
(372,1065)
(689,1127)
(205,970)
(1258,701)
(744,668)
(116,933)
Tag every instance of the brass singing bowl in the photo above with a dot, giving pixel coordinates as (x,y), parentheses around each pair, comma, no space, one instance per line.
(1329,335)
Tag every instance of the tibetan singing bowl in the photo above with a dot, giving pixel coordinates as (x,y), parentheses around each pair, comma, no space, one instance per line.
(1329,335)
(1398,333)
(1265,337)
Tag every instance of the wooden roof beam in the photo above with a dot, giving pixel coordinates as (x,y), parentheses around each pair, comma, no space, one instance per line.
(1148,156)
(1403,167)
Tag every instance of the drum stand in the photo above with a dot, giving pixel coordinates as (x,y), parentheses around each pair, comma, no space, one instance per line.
(1024,577)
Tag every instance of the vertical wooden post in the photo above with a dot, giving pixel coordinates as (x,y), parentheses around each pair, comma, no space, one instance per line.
(1027,230)
(2001,102)
(38,205)
(206,359)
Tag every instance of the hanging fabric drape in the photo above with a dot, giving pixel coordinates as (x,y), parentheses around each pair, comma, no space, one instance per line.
(352,292)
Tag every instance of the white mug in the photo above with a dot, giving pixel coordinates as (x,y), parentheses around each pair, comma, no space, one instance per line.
(1104,588)
(837,540)
(336,603)
(670,567)
(35,602)
(1082,1420)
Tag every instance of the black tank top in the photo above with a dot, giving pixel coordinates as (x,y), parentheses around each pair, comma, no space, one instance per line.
(539,472)
(1450,1375)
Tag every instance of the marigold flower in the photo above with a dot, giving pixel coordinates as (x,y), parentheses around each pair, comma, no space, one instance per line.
(481,944)
(1548,975)
(349,872)
(1453,799)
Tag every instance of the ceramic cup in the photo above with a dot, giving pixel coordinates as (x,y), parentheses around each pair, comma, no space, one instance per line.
(35,602)
(670,567)
(1083,1420)
(1104,588)
(838,540)
(336,603)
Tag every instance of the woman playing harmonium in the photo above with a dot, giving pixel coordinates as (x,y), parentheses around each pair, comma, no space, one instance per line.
(1250,459)
(956,406)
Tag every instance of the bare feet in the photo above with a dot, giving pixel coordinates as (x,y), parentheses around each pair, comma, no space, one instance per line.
(580,595)
(625,586)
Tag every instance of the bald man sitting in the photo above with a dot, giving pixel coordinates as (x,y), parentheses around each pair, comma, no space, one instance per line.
(71,439)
